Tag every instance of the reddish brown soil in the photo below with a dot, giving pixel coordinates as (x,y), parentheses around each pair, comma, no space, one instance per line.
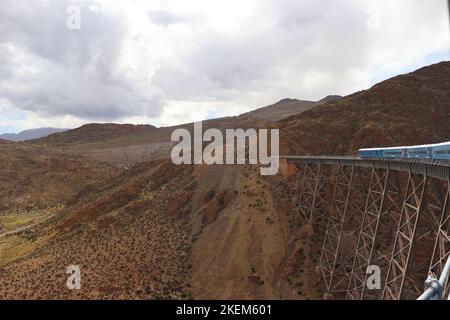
(157,231)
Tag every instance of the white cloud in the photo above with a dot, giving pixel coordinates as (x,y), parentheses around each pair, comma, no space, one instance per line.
(172,61)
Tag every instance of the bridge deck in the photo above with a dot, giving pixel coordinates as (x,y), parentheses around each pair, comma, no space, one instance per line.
(439,169)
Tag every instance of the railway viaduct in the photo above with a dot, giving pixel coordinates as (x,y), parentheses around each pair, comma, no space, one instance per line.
(389,213)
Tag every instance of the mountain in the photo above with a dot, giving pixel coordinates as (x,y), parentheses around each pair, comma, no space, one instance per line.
(95,132)
(30,134)
(287,107)
(36,178)
(125,145)
(408,109)
(154,230)
(282,109)
(330,98)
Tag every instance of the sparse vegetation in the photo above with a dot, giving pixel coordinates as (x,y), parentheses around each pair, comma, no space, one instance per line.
(106,198)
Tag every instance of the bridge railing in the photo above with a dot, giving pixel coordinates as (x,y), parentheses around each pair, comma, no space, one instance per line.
(434,291)
(440,162)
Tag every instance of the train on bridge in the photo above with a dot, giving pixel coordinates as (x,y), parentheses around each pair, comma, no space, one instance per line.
(440,151)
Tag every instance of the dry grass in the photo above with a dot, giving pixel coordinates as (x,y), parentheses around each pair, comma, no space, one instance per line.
(159,231)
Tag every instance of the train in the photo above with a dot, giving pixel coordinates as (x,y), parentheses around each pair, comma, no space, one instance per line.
(440,151)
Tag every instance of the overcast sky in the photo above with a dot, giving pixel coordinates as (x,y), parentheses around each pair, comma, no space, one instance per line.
(166,62)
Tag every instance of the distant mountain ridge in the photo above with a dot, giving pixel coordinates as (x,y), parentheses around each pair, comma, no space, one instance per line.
(123,134)
(97,132)
(330,98)
(31,134)
(286,108)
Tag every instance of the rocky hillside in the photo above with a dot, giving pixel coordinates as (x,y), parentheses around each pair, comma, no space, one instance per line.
(161,231)
(408,109)
(38,178)
(94,132)
(155,230)
(286,108)
(282,109)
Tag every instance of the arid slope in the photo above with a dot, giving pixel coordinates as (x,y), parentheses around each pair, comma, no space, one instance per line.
(408,109)
(156,230)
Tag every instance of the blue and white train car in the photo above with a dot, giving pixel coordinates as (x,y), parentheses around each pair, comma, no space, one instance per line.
(430,151)
(441,151)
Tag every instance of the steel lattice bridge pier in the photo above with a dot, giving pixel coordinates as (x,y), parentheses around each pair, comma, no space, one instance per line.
(390,213)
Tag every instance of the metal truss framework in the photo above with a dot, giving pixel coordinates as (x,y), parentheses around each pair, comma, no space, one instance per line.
(313,192)
(441,249)
(425,239)
(346,205)
(358,207)
(382,207)
(297,187)
(405,237)
(341,196)
(367,234)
